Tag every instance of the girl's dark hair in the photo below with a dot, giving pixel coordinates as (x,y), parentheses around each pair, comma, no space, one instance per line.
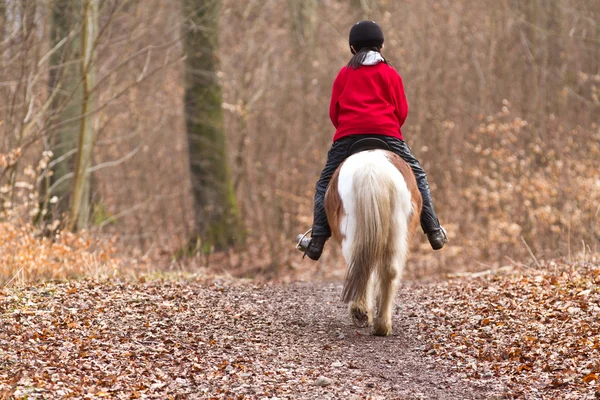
(359,57)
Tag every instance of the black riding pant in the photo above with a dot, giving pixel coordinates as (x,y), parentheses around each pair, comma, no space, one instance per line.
(339,152)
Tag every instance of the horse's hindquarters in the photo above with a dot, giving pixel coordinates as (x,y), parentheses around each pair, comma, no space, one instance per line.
(369,206)
(375,203)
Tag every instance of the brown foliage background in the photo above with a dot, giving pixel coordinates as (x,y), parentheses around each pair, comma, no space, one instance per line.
(504,116)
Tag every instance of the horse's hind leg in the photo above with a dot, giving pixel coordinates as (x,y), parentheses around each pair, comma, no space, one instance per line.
(388,284)
(361,310)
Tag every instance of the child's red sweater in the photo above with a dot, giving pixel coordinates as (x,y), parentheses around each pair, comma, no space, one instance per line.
(368,100)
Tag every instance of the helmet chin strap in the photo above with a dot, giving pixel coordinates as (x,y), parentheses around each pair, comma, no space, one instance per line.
(352,50)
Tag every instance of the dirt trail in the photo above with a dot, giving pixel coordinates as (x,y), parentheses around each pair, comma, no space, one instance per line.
(211,339)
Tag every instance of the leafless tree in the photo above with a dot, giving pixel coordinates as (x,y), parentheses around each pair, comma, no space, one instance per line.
(217,220)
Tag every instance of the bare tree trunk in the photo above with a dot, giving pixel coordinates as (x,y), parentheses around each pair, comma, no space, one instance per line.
(2,19)
(596,61)
(80,210)
(540,34)
(303,18)
(65,77)
(217,221)
(303,21)
(552,77)
(368,8)
(531,39)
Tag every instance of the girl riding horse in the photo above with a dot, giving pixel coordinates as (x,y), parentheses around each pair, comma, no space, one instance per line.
(368,100)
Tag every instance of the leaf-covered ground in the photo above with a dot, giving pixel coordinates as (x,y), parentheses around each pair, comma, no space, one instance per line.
(198,339)
(535,329)
(523,333)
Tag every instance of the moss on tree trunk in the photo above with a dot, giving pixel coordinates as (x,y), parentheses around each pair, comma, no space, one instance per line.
(2,18)
(81,207)
(65,77)
(217,221)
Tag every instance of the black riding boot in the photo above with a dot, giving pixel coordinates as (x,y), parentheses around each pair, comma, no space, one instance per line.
(313,247)
(430,224)
(320,230)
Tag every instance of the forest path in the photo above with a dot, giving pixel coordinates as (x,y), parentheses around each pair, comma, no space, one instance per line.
(210,339)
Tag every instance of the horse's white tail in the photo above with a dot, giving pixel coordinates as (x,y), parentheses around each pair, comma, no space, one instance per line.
(373,204)
(374,196)
(377,204)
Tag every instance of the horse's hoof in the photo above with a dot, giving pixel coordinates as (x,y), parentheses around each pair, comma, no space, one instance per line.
(360,317)
(382,328)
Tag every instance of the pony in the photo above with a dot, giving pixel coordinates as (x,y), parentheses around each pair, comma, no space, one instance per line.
(373,207)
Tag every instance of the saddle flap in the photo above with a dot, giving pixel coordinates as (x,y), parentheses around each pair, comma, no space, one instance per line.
(369,143)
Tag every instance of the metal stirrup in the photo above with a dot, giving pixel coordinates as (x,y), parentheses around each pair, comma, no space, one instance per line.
(302,238)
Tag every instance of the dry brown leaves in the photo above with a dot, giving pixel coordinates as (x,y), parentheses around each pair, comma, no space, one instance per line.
(160,339)
(26,256)
(521,332)
(520,184)
(536,329)
(193,339)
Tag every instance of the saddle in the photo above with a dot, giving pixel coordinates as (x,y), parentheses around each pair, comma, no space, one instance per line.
(369,143)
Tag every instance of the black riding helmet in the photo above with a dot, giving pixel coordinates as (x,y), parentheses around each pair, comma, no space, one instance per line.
(365,34)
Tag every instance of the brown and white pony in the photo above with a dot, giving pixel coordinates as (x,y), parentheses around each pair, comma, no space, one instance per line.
(373,206)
